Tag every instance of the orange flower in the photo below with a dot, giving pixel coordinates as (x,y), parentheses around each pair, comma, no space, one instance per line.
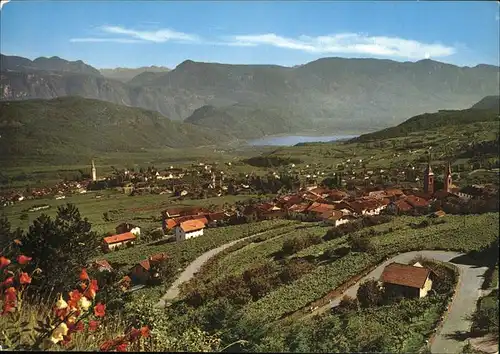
(8,282)
(18,242)
(93,325)
(22,259)
(83,286)
(145,331)
(99,310)
(84,275)
(92,289)
(122,347)
(10,293)
(4,262)
(74,297)
(24,278)
(8,307)
(107,346)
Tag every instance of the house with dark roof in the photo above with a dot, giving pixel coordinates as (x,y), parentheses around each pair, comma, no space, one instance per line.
(417,202)
(101,265)
(403,280)
(117,241)
(399,207)
(141,272)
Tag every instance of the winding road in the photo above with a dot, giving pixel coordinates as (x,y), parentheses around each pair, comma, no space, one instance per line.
(193,268)
(467,293)
(464,303)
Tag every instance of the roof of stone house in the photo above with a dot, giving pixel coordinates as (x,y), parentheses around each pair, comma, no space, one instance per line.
(127,236)
(146,263)
(405,275)
(403,205)
(299,208)
(416,202)
(320,208)
(192,225)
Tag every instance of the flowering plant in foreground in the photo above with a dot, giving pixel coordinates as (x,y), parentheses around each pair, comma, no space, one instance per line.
(75,312)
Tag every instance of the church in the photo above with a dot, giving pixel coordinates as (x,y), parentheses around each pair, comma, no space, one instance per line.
(429,180)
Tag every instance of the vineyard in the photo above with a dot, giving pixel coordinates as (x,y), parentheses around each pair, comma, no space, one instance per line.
(186,251)
(476,232)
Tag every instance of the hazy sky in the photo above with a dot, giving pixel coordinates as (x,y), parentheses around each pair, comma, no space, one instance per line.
(138,33)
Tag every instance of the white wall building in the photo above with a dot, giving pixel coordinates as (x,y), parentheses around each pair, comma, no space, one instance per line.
(189,229)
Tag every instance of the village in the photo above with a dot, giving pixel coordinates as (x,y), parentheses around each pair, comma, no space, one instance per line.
(332,207)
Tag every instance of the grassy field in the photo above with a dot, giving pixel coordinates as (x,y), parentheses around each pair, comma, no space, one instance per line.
(120,207)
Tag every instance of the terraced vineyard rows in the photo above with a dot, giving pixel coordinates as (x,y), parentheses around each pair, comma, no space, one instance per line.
(185,252)
(454,234)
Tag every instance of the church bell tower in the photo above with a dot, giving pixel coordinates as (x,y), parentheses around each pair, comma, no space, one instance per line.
(429,178)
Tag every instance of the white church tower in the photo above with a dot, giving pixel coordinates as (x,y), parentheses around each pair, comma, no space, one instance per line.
(94,172)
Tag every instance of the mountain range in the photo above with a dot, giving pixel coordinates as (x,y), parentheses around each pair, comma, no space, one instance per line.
(127,74)
(334,94)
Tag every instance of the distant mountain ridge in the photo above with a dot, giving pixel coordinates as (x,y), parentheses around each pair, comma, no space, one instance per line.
(490,102)
(67,128)
(14,63)
(334,94)
(127,74)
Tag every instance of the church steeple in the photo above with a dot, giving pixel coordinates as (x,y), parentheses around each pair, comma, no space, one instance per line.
(94,172)
(429,178)
(448,182)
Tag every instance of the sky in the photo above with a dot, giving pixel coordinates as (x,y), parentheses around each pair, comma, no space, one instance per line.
(108,34)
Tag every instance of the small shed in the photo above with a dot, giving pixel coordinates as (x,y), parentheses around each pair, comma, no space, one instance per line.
(407,280)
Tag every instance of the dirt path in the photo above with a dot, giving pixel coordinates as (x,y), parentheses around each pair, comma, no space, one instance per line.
(194,267)
(467,293)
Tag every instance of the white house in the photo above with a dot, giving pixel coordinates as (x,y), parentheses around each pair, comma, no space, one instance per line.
(189,229)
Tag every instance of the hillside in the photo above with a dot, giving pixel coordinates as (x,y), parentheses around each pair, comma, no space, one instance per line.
(127,74)
(245,122)
(332,94)
(490,102)
(431,121)
(73,126)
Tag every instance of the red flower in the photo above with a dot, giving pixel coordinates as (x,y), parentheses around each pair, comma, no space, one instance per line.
(145,331)
(66,339)
(24,278)
(4,262)
(22,259)
(93,325)
(100,310)
(10,294)
(84,275)
(8,307)
(122,347)
(62,313)
(134,333)
(8,282)
(107,346)
(79,326)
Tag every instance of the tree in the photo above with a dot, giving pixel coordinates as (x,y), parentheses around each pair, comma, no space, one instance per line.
(61,246)
(369,294)
(361,243)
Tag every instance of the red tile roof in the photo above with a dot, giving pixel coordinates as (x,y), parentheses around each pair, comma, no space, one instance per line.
(406,275)
(299,208)
(403,205)
(146,263)
(320,208)
(127,236)
(192,225)
(416,202)
(396,192)
(104,264)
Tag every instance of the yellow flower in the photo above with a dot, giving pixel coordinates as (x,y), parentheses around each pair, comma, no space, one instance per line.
(61,304)
(84,303)
(59,333)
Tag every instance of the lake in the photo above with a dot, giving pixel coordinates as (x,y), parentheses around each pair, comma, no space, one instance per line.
(290,140)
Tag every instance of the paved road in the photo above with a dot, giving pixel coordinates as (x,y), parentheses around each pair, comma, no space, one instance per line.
(193,268)
(464,304)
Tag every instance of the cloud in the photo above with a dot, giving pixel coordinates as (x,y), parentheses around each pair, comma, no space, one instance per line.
(101,40)
(3,2)
(348,43)
(136,36)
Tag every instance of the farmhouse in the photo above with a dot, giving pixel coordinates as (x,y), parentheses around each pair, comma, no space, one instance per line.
(338,218)
(126,227)
(101,266)
(189,229)
(399,207)
(141,272)
(112,242)
(407,280)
